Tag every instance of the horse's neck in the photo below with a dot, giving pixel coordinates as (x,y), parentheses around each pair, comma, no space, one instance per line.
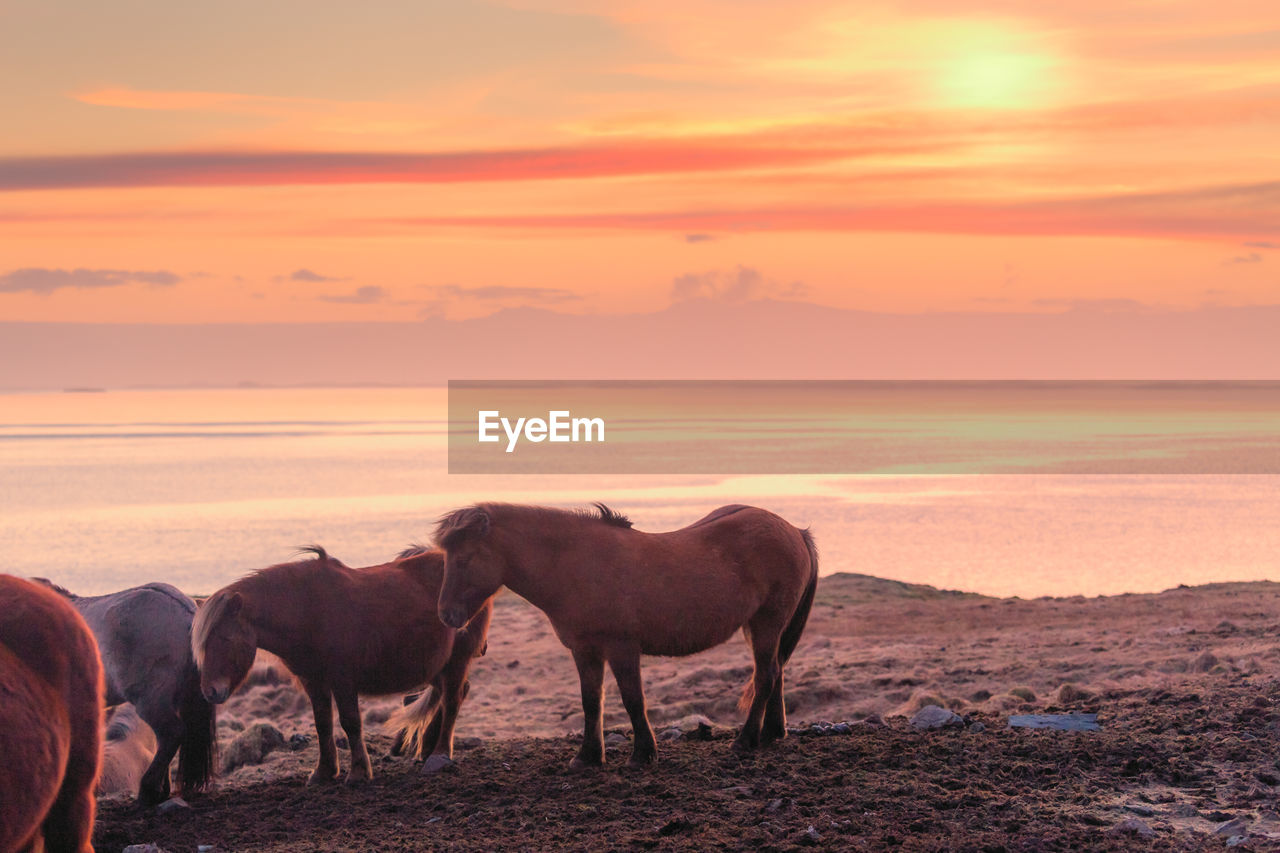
(528,576)
(277,628)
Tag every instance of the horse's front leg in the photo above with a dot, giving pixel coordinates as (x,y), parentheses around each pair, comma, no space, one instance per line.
(591,680)
(349,715)
(626,671)
(453,687)
(169,730)
(322,709)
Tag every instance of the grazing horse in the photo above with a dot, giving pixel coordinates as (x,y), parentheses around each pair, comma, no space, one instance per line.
(127,751)
(613,594)
(50,721)
(144,635)
(343,632)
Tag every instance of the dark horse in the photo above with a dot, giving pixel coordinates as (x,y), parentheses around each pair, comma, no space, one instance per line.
(144,636)
(50,721)
(343,632)
(613,594)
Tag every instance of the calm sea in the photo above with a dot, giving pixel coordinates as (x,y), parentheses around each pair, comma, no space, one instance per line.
(100,491)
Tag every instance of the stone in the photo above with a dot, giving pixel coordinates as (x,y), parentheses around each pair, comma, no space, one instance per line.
(1132,826)
(252,746)
(171,805)
(936,717)
(1235,826)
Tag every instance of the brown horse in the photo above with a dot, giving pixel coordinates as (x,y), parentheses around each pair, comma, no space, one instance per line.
(50,721)
(613,594)
(343,632)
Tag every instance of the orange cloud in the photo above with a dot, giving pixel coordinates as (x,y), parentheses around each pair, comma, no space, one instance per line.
(1250,211)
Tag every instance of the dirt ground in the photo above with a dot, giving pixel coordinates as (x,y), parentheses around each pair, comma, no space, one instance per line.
(1186,685)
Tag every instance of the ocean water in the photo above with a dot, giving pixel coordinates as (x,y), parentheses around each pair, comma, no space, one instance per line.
(100,491)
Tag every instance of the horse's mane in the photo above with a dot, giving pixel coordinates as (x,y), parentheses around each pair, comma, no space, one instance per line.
(608,516)
(214,608)
(209,614)
(415,549)
(60,590)
(474,520)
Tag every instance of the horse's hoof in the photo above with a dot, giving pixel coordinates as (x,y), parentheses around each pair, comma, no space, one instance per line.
(767,737)
(579,763)
(437,763)
(742,747)
(319,778)
(641,762)
(352,781)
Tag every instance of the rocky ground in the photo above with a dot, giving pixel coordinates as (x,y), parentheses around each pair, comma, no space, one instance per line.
(1186,685)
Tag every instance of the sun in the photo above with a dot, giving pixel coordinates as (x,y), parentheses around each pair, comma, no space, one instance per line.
(989,64)
(993,80)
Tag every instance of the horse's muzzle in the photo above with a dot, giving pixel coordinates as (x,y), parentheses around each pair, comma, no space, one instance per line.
(217,695)
(455,616)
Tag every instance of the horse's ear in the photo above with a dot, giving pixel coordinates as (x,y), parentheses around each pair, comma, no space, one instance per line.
(479,522)
(234,604)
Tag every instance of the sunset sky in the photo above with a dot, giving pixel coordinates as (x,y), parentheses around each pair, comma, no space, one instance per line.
(393,161)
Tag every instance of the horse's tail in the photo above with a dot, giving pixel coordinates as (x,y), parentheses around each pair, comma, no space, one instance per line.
(791,634)
(198,754)
(416,725)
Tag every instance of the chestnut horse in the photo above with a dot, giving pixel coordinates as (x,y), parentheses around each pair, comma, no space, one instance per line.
(144,637)
(343,632)
(613,594)
(50,721)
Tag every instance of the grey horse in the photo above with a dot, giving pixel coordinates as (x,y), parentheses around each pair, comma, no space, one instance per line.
(144,637)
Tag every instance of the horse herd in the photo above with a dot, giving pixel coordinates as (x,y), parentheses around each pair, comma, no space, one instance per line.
(610,592)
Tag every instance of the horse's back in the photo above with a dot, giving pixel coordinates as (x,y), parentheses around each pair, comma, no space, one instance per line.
(721,513)
(43,630)
(144,634)
(748,536)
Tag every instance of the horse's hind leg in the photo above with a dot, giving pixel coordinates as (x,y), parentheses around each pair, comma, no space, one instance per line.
(349,715)
(775,714)
(591,680)
(68,824)
(767,677)
(626,671)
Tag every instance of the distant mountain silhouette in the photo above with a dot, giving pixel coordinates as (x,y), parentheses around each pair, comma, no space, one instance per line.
(761,339)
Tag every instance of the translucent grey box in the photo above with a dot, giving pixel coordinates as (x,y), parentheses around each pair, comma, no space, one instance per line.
(863,427)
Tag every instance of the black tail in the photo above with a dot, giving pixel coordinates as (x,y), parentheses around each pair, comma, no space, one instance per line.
(791,634)
(198,755)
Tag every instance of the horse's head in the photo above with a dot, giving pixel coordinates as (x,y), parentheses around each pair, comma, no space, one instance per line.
(473,569)
(224,645)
